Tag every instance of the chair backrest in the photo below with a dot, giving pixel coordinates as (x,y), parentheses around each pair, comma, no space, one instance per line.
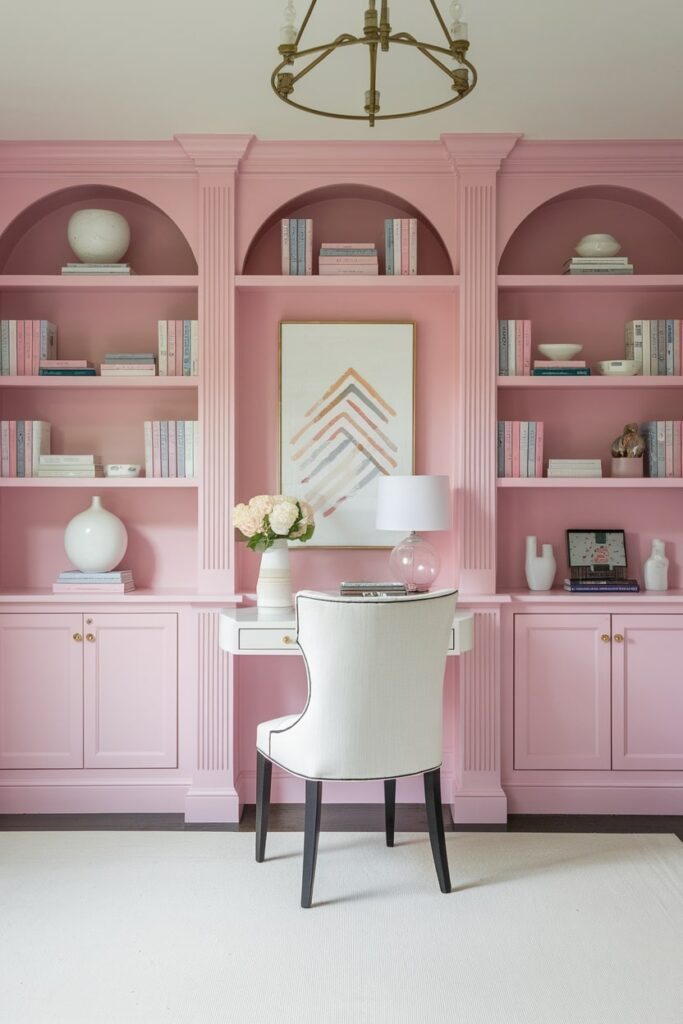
(375,686)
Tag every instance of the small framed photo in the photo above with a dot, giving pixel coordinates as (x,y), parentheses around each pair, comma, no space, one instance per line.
(597,554)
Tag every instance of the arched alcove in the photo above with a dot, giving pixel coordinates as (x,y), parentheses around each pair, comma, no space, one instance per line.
(346,213)
(650,233)
(36,242)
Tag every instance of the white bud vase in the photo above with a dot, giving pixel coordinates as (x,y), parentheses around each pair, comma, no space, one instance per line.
(657,568)
(95,540)
(274,586)
(540,570)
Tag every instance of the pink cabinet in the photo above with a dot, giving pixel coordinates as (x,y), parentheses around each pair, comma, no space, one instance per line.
(647,692)
(41,691)
(562,691)
(130,691)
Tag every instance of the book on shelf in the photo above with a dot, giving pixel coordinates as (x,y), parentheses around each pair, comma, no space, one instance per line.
(559,364)
(66,364)
(347,258)
(598,265)
(296,246)
(624,586)
(22,443)
(371,588)
(70,466)
(171,448)
(520,448)
(574,468)
(24,344)
(70,460)
(656,344)
(178,342)
(97,268)
(113,576)
(514,348)
(66,372)
(561,371)
(400,246)
(663,448)
(75,582)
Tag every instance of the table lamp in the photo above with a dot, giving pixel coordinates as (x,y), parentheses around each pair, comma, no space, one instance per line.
(414,503)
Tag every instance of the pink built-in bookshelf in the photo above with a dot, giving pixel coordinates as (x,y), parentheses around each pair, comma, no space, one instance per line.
(162,719)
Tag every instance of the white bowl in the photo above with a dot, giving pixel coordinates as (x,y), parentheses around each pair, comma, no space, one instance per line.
(98,236)
(597,245)
(128,469)
(620,367)
(560,351)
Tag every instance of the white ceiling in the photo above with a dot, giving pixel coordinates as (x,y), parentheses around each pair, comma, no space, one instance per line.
(147,69)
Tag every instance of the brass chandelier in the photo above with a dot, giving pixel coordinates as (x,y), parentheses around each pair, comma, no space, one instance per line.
(377,36)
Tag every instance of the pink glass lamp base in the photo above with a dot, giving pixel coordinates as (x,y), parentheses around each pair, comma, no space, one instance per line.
(415,563)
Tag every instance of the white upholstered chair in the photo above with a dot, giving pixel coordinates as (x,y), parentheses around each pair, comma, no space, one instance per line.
(375,671)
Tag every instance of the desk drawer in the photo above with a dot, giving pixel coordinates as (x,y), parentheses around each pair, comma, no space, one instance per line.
(268,640)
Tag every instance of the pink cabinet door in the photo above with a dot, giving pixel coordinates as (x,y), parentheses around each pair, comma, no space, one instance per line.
(41,691)
(130,690)
(562,691)
(647,692)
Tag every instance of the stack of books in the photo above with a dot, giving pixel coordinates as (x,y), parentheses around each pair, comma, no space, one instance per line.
(66,368)
(97,268)
(598,265)
(22,444)
(23,343)
(520,448)
(560,368)
(656,345)
(128,364)
(574,467)
(178,348)
(75,466)
(370,588)
(598,586)
(172,448)
(400,246)
(514,348)
(347,258)
(297,246)
(663,453)
(71,581)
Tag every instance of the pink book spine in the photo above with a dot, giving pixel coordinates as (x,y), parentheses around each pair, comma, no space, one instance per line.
(346,261)
(405,245)
(35,361)
(284,245)
(28,347)
(309,246)
(171,349)
(12,447)
(678,437)
(4,448)
(669,448)
(28,448)
(20,348)
(412,247)
(508,448)
(179,348)
(515,447)
(65,364)
(519,347)
(539,449)
(156,447)
(172,448)
(526,338)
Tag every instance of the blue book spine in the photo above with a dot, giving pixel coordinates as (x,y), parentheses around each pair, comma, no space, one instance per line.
(21,447)
(187,343)
(388,248)
(501,449)
(4,348)
(503,335)
(163,437)
(669,330)
(180,447)
(300,246)
(292,245)
(531,459)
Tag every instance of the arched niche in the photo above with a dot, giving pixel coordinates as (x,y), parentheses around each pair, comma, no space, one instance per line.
(35,242)
(650,233)
(346,213)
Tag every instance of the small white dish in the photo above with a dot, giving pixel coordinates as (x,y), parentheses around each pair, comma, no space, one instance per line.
(559,351)
(597,245)
(620,367)
(127,469)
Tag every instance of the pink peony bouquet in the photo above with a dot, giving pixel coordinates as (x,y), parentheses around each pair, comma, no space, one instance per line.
(270,517)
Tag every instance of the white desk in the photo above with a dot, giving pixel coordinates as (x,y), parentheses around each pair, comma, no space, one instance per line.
(260,631)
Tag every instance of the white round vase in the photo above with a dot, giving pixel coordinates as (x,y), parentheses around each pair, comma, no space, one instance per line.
(98,236)
(95,540)
(274,586)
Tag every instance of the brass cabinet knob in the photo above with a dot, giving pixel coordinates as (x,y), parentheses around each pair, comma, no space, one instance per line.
(618,638)
(90,637)
(288,640)
(78,637)
(605,638)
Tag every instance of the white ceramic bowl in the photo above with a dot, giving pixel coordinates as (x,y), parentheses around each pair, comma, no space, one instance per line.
(597,245)
(559,351)
(127,469)
(620,367)
(98,236)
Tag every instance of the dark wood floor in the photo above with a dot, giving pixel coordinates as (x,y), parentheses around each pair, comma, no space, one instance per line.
(344,818)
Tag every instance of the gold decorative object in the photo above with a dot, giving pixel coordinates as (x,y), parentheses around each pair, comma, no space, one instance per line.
(630,444)
(377,35)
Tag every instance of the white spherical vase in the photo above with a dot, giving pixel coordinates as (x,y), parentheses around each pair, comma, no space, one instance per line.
(274,585)
(98,236)
(95,540)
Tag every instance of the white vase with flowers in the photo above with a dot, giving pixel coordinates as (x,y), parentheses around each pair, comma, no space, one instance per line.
(268,522)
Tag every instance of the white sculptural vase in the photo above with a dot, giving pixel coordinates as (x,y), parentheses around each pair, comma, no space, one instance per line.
(95,540)
(657,568)
(274,586)
(540,570)
(98,236)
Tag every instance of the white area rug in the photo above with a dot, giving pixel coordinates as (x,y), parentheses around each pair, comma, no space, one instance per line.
(128,927)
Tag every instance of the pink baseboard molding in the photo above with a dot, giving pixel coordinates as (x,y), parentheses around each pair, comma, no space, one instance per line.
(286,789)
(212,805)
(595,799)
(77,798)
(479,808)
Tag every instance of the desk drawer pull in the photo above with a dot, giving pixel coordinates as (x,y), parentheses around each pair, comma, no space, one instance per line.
(288,639)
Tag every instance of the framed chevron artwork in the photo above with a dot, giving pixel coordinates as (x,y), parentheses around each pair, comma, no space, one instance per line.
(347,417)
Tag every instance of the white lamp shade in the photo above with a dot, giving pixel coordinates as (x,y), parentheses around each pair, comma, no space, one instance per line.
(413,503)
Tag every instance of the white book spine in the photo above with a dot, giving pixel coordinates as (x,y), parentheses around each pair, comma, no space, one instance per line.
(194,348)
(163,348)
(524,448)
(413,245)
(397,246)
(13,348)
(149,465)
(189,449)
(513,369)
(4,448)
(196,453)
(41,443)
(647,350)
(284,228)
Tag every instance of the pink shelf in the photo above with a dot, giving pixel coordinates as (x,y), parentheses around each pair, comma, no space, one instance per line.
(165,383)
(427,282)
(106,483)
(605,482)
(590,282)
(165,595)
(597,382)
(117,282)
(555,596)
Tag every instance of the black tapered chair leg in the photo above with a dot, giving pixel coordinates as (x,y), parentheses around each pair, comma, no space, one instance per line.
(389,809)
(314,792)
(432,781)
(264,771)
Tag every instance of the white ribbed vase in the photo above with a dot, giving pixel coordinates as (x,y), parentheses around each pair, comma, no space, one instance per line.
(274,586)
(95,540)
